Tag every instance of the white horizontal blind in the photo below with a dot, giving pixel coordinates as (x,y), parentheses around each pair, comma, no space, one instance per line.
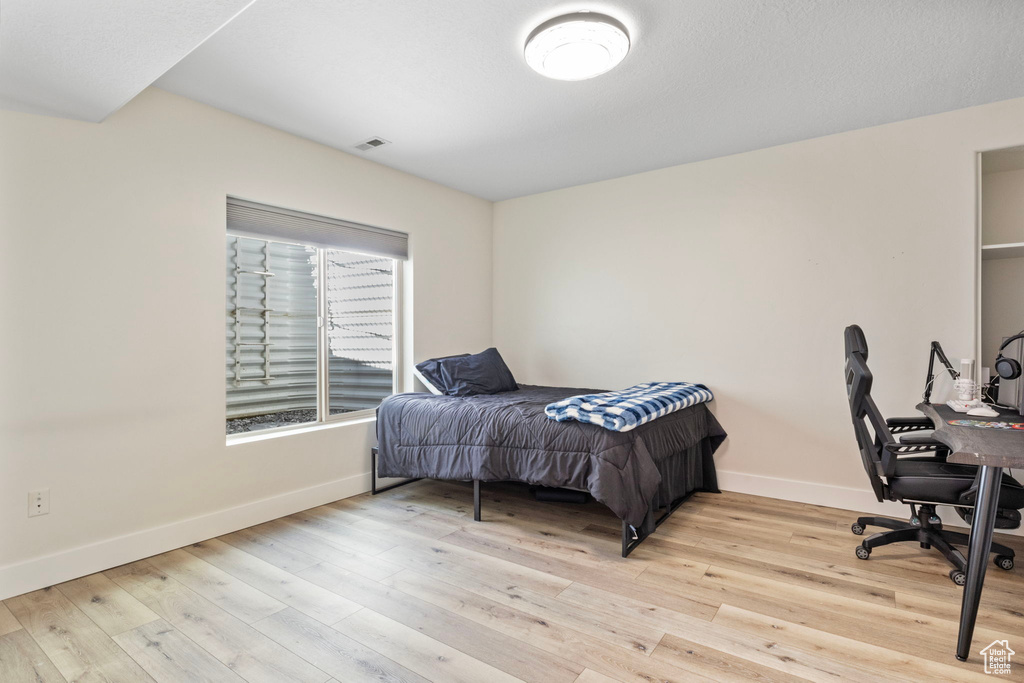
(251,219)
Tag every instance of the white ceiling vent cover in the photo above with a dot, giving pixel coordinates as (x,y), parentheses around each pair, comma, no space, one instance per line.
(372,143)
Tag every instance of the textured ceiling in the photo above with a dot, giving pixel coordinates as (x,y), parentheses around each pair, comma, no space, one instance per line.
(84,59)
(446,82)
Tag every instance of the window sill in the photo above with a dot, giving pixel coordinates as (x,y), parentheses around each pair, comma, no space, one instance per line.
(250,437)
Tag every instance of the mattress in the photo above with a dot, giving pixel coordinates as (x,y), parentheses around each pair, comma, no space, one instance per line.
(507,437)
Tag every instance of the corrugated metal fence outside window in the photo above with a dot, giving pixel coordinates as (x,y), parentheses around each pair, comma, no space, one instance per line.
(271,333)
(360,329)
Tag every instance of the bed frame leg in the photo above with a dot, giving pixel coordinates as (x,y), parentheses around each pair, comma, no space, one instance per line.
(476,500)
(374,490)
(631,539)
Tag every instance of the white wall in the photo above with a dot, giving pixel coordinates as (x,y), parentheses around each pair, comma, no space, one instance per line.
(1002,280)
(112,326)
(1003,207)
(1002,304)
(742,272)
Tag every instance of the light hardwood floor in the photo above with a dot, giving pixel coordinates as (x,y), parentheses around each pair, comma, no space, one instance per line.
(405,586)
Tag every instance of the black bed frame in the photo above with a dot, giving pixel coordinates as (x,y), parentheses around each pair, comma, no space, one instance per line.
(631,538)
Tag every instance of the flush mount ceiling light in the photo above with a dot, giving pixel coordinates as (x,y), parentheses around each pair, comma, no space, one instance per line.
(577,46)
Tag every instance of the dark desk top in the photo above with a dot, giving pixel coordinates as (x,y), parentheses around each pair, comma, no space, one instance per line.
(976,444)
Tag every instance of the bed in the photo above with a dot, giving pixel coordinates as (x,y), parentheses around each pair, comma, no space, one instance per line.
(642,475)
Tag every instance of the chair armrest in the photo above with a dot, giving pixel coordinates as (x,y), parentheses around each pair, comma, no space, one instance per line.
(925,443)
(892,452)
(915,447)
(898,425)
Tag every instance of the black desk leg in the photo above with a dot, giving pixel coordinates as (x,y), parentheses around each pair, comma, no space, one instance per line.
(977,554)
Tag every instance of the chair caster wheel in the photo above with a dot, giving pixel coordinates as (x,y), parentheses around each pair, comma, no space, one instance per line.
(857,529)
(1004,562)
(863,553)
(958,577)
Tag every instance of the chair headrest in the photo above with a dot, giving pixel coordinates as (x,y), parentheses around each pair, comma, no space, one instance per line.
(855,341)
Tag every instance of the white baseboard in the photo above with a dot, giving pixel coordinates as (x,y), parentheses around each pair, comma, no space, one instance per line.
(48,570)
(859,500)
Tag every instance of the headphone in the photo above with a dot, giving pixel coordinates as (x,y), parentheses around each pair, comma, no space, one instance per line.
(1008,368)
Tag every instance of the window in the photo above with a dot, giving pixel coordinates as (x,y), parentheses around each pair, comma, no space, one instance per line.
(312,317)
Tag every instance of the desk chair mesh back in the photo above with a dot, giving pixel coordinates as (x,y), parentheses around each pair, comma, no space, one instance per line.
(914,471)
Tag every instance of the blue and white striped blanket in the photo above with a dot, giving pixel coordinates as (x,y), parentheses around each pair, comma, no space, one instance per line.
(621,411)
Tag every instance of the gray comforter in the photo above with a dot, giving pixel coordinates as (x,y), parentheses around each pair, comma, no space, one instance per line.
(507,437)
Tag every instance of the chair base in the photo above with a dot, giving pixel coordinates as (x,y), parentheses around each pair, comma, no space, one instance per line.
(930,534)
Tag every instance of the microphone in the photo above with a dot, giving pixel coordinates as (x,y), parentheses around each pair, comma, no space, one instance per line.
(965,385)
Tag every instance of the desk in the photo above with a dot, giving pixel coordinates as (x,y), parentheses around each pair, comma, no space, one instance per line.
(992,450)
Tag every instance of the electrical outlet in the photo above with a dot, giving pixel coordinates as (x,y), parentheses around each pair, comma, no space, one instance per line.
(39,502)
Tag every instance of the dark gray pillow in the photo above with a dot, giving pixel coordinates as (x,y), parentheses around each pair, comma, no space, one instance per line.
(431,370)
(481,373)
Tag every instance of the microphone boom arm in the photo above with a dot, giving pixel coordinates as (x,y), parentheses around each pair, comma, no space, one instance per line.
(936,350)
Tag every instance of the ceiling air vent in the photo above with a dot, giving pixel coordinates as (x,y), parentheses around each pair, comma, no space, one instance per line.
(371,144)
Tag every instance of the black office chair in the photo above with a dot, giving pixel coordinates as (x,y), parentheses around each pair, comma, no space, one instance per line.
(914,471)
